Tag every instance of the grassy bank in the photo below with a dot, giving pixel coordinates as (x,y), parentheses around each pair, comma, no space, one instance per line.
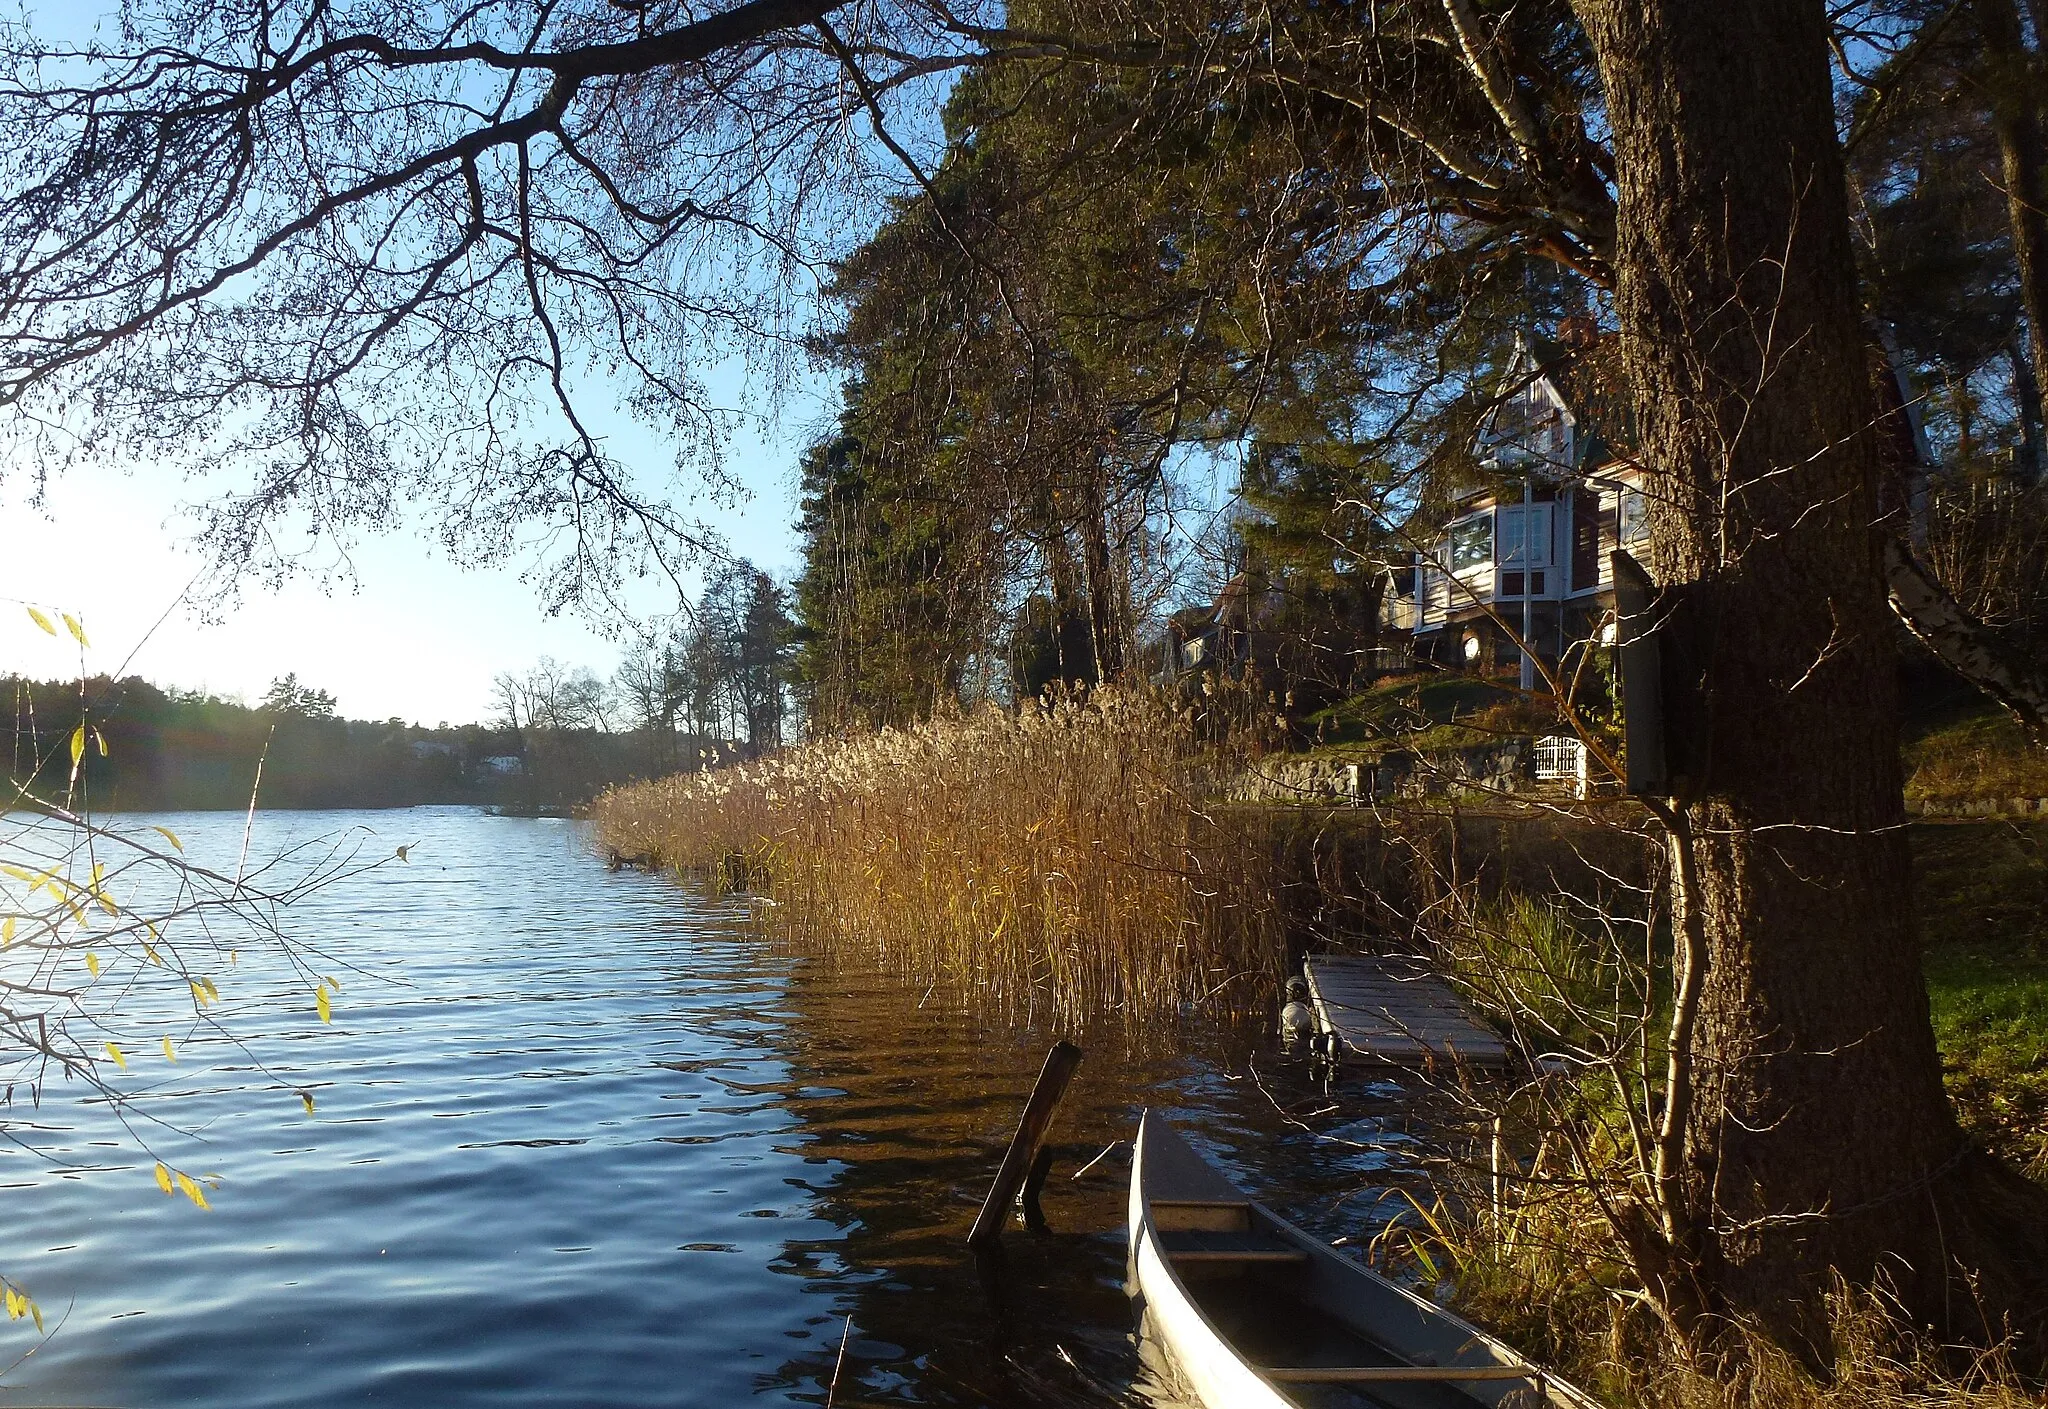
(1983,890)
(1424,713)
(1960,748)
(1070,862)
(1526,1240)
(1981,756)
(1063,860)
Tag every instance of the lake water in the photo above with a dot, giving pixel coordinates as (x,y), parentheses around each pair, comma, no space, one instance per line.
(587,1138)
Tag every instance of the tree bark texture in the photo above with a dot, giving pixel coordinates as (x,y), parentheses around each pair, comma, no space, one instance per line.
(1819,1137)
(1105,617)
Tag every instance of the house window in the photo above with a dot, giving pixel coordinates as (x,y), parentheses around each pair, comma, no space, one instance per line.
(1585,537)
(1535,519)
(1511,584)
(1634,517)
(1472,543)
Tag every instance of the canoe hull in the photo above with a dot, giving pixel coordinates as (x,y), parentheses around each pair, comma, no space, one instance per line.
(1173,1186)
(1203,1363)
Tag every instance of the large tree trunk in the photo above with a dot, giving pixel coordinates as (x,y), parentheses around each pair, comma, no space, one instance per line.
(1105,594)
(1819,1137)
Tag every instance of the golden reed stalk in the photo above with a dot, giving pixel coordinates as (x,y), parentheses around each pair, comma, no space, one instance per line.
(1066,860)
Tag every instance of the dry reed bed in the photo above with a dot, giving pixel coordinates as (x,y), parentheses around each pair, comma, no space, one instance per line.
(1061,860)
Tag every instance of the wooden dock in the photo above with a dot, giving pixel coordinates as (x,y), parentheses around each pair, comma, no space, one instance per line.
(1394,1011)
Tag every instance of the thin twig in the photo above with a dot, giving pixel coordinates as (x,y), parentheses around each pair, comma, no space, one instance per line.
(839,1364)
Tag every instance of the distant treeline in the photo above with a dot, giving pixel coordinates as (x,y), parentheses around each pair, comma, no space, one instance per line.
(149,748)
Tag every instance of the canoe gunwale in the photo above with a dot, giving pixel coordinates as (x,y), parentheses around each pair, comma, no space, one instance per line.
(1223,1378)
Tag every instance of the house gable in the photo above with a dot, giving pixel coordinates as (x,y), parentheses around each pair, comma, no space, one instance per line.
(1538,529)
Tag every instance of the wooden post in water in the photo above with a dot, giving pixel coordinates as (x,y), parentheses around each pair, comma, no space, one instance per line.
(1041,1165)
(1023,1152)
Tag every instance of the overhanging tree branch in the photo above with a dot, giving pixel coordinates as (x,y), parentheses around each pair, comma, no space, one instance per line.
(2016,681)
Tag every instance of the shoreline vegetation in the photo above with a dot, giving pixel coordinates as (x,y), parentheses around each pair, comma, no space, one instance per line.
(1076,860)
(181,750)
(1065,860)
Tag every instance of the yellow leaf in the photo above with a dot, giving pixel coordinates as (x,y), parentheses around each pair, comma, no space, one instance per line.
(119,1060)
(40,620)
(16,1305)
(6,932)
(320,1002)
(100,739)
(37,1312)
(163,1177)
(198,995)
(401,853)
(151,955)
(77,744)
(171,837)
(27,878)
(77,631)
(333,984)
(170,1055)
(306,1100)
(192,1190)
(212,991)
(92,963)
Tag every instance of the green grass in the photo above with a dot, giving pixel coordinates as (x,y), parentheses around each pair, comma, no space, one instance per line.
(1959,747)
(1982,757)
(1983,894)
(1428,713)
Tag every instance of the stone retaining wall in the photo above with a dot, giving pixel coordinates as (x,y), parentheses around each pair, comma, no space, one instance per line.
(2035,807)
(1495,769)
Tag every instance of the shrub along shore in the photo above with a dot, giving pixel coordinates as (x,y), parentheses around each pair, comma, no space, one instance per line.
(1071,861)
(1062,861)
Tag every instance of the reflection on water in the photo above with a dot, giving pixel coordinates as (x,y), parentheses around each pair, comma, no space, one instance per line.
(584,1138)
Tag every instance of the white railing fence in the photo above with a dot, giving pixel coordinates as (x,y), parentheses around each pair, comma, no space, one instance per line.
(1560,758)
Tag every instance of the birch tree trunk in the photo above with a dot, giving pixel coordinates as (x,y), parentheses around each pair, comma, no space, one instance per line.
(1819,1137)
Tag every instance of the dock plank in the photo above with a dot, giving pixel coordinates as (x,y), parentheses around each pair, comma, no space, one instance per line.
(1391,1010)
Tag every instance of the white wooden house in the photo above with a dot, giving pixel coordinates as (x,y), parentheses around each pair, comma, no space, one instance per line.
(1526,550)
(1527,545)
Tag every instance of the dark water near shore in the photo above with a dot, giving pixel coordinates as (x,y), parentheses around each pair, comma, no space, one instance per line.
(585,1138)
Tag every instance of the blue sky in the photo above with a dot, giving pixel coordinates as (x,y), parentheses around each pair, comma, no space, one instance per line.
(411,636)
(414,637)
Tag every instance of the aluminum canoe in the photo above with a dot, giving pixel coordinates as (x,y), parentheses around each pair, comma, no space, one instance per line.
(1251,1312)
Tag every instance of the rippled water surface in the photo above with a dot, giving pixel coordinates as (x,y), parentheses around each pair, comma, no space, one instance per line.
(585,1138)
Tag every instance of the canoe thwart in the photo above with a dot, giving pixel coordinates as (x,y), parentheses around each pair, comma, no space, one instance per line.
(1395,1374)
(1206,1246)
(1201,1216)
(1253,1313)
